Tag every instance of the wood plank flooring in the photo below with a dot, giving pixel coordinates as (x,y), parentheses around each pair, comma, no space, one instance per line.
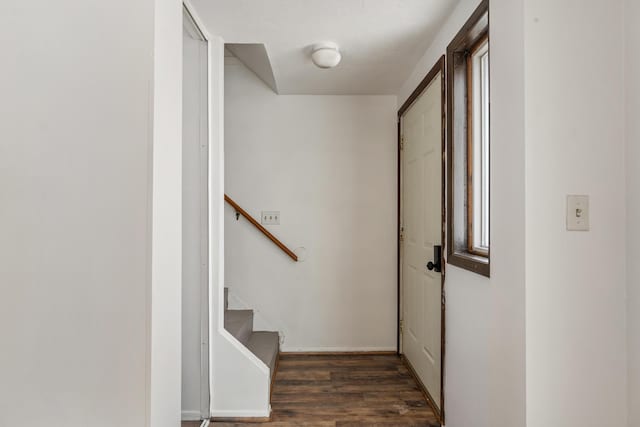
(345,390)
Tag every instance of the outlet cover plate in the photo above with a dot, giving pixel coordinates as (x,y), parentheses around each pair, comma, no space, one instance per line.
(270,218)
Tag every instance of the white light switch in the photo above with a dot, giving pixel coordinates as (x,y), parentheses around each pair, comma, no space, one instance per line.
(577,213)
(270,218)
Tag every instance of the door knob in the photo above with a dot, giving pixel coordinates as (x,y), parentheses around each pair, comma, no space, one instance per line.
(436,264)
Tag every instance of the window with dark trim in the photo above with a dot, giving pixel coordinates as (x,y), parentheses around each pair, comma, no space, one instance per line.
(468,145)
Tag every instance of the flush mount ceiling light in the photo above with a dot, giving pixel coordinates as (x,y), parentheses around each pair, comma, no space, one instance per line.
(326,54)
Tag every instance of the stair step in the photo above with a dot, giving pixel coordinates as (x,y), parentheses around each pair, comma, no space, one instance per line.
(226,298)
(265,345)
(239,323)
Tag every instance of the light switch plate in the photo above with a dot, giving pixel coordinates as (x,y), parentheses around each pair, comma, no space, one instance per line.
(577,212)
(270,218)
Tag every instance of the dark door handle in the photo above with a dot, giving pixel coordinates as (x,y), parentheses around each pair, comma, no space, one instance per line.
(436,264)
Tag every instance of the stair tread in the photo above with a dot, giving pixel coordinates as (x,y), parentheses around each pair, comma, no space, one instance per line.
(266,346)
(239,323)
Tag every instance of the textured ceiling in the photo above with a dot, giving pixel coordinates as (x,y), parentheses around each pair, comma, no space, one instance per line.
(380,40)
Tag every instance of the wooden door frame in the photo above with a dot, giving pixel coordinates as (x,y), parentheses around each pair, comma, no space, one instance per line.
(438,68)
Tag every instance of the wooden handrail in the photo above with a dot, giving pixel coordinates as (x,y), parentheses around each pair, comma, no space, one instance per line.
(259,226)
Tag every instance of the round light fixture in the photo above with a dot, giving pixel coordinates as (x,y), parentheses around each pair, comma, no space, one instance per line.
(326,54)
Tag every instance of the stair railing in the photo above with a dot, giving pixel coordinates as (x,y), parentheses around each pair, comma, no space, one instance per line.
(259,226)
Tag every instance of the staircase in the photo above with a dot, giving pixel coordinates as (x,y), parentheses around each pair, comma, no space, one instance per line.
(264,344)
(242,380)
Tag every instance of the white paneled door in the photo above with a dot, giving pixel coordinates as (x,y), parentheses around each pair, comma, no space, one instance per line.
(421,233)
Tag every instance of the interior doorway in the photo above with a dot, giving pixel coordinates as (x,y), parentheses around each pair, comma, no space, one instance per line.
(195,229)
(422,305)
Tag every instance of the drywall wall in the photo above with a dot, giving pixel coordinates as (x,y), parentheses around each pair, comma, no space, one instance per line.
(235,371)
(166,230)
(75,145)
(484,361)
(507,328)
(194,219)
(88,338)
(575,144)
(328,164)
(632,71)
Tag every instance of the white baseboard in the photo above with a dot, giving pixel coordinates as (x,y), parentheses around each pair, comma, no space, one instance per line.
(287,349)
(190,415)
(234,413)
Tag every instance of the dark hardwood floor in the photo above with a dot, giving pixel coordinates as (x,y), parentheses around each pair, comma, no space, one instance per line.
(345,390)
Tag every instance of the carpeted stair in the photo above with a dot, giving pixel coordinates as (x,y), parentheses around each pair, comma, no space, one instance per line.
(264,344)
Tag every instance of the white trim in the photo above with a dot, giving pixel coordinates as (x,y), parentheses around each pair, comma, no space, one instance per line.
(481,148)
(191,416)
(239,413)
(244,350)
(216,189)
(260,321)
(205,307)
(336,349)
(197,20)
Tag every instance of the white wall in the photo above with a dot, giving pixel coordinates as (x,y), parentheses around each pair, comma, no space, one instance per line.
(75,172)
(328,164)
(235,371)
(166,256)
(575,144)
(632,70)
(484,362)
(76,314)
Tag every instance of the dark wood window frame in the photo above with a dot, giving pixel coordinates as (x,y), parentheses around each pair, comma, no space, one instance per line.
(459,144)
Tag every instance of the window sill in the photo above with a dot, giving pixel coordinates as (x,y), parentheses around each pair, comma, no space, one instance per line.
(468,261)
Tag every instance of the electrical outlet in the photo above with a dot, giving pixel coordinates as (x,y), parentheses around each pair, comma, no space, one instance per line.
(270,218)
